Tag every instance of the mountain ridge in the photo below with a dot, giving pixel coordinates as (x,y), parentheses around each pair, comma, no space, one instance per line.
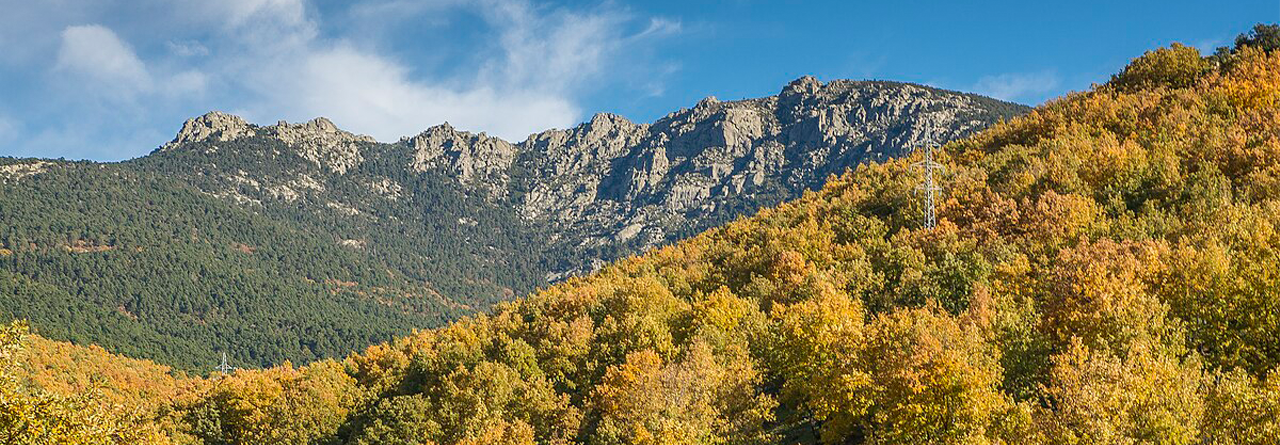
(200,127)
(681,167)
(455,221)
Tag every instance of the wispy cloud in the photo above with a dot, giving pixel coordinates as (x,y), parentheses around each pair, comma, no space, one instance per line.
(287,59)
(8,129)
(187,48)
(100,64)
(96,54)
(1018,87)
(543,59)
(374,95)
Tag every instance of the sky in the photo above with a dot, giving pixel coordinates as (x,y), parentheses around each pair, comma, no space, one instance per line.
(113,79)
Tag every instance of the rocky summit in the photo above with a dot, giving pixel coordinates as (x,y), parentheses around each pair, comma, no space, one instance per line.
(611,187)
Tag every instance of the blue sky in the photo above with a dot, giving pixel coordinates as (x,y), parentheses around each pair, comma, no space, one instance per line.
(113,79)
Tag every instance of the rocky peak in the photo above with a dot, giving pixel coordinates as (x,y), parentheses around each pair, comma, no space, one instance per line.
(444,127)
(314,127)
(214,125)
(317,140)
(647,182)
(604,127)
(471,157)
(320,131)
(608,121)
(803,85)
(707,105)
(322,142)
(444,138)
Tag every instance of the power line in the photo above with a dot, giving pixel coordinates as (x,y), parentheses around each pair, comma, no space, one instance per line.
(929,187)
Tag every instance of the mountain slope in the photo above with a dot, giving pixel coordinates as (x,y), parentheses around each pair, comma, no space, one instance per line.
(602,190)
(1103,271)
(149,267)
(301,241)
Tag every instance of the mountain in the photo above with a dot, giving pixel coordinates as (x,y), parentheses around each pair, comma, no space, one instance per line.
(1103,270)
(597,192)
(302,241)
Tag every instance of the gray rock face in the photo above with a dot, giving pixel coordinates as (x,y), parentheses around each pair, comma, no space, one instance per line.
(319,140)
(474,159)
(611,187)
(214,125)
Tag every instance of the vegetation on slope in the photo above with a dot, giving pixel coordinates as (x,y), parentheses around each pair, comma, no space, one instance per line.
(1104,270)
(413,228)
(32,415)
(298,242)
(148,267)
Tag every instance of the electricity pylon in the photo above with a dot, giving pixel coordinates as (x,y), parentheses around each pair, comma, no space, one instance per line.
(224,367)
(929,187)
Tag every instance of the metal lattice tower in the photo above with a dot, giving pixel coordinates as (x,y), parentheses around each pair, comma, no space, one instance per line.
(224,367)
(929,187)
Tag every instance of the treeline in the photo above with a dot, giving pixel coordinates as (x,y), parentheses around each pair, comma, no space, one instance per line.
(149,267)
(1104,270)
(417,229)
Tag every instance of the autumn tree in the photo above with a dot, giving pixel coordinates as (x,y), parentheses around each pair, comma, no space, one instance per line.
(698,399)
(33,416)
(1101,293)
(1177,66)
(1241,409)
(276,406)
(1148,395)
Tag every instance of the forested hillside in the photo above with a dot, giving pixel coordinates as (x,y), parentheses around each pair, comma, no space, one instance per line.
(149,267)
(296,242)
(1104,270)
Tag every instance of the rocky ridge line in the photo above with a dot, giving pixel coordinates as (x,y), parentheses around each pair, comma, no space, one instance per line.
(609,186)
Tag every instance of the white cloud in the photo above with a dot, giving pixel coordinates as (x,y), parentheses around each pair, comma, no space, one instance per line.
(1207,47)
(187,48)
(8,129)
(264,25)
(391,10)
(551,52)
(1017,86)
(287,13)
(184,83)
(369,94)
(561,49)
(660,27)
(289,59)
(95,53)
(104,65)
(542,60)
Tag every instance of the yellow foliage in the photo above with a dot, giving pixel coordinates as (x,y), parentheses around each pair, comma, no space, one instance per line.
(1242,410)
(31,416)
(1101,293)
(1105,270)
(700,399)
(1253,81)
(1145,396)
(1177,66)
(280,405)
(933,380)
